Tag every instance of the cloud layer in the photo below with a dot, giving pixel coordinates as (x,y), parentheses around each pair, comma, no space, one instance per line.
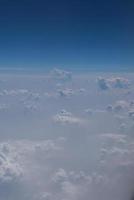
(66,136)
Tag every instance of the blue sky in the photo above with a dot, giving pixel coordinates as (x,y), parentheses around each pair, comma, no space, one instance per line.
(67,33)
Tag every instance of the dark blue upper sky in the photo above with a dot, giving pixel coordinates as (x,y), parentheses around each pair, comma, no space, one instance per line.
(66,33)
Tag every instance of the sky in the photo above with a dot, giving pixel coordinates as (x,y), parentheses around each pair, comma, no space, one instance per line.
(67,33)
(66,100)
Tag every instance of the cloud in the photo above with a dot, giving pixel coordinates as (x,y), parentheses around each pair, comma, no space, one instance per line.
(15,92)
(60,176)
(121,106)
(119,82)
(45,196)
(65,92)
(114,175)
(65,117)
(117,155)
(23,94)
(114,82)
(68,92)
(19,161)
(11,154)
(93,159)
(30,107)
(10,170)
(71,185)
(62,75)
(103,83)
(123,112)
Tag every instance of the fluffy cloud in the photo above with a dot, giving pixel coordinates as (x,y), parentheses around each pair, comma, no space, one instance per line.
(117,159)
(115,82)
(121,106)
(10,170)
(119,82)
(22,93)
(62,75)
(13,152)
(65,117)
(71,185)
(19,160)
(123,112)
(103,83)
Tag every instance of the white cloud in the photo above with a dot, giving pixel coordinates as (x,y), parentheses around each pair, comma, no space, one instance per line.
(10,170)
(71,185)
(60,176)
(65,92)
(119,82)
(15,92)
(19,160)
(65,117)
(113,82)
(62,75)
(121,106)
